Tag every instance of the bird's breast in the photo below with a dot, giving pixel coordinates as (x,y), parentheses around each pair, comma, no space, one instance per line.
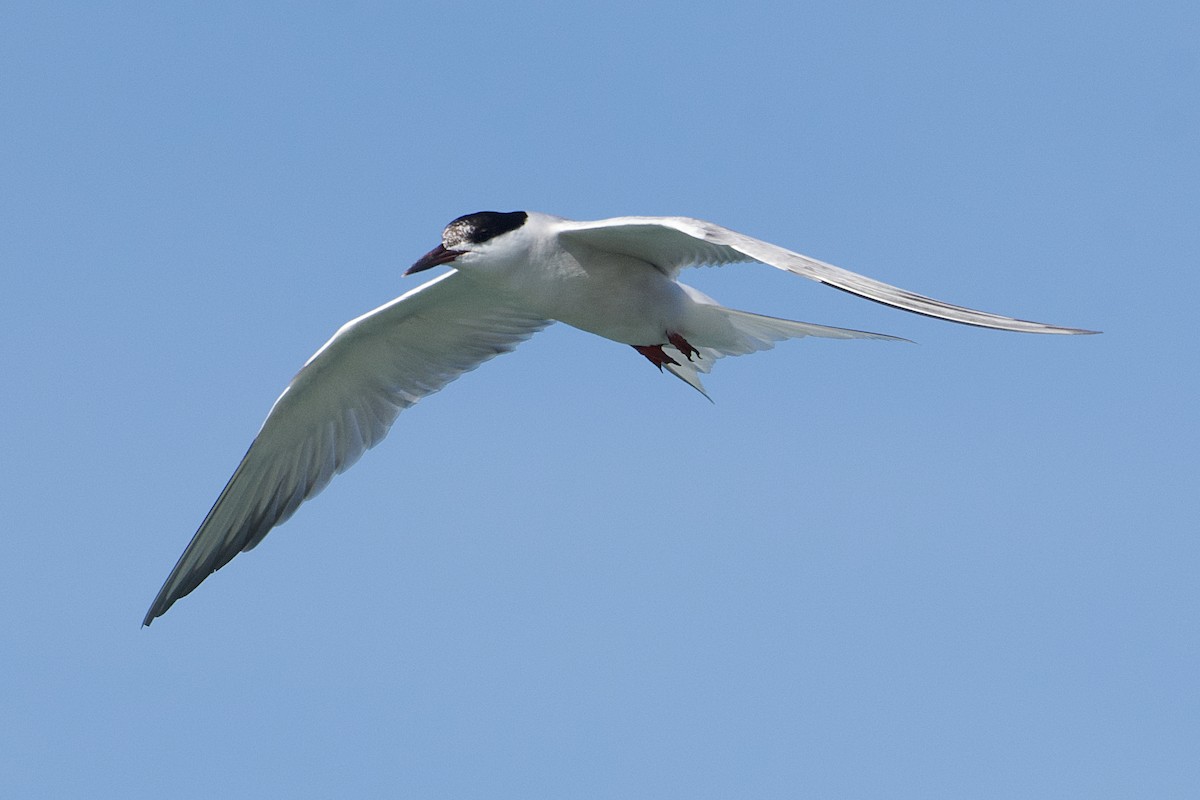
(617,297)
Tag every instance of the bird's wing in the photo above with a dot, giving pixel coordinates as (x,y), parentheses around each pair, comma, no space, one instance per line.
(672,243)
(341,403)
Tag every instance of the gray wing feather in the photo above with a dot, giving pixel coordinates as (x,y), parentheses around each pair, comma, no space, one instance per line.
(340,404)
(673,243)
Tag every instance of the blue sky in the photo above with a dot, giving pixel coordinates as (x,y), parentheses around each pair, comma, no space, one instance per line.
(965,567)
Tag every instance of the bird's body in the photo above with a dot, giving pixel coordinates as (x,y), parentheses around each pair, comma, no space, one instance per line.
(615,297)
(514,273)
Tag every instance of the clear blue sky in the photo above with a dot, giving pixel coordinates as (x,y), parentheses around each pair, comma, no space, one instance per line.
(962,568)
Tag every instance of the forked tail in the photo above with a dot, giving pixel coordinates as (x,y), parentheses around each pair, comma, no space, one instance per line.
(742,332)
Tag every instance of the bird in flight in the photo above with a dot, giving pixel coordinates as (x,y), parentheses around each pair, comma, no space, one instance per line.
(511,275)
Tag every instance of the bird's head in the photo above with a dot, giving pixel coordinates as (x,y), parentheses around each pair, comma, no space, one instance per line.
(472,237)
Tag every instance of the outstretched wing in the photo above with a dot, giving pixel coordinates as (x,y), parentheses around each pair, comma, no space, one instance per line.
(341,403)
(672,243)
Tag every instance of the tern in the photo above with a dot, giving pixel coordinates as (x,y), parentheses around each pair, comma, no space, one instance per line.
(511,274)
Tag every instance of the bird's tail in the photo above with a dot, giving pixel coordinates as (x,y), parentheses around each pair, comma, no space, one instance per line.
(741,332)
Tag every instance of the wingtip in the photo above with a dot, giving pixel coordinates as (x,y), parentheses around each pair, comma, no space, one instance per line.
(159,607)
(1068,331)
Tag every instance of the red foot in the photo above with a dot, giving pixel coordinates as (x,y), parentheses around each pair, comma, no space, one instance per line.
(682,345)
(655,353)
(658,358)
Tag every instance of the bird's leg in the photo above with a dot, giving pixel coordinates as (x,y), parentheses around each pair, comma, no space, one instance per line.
(655,353)
(658,356)
(682,345)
